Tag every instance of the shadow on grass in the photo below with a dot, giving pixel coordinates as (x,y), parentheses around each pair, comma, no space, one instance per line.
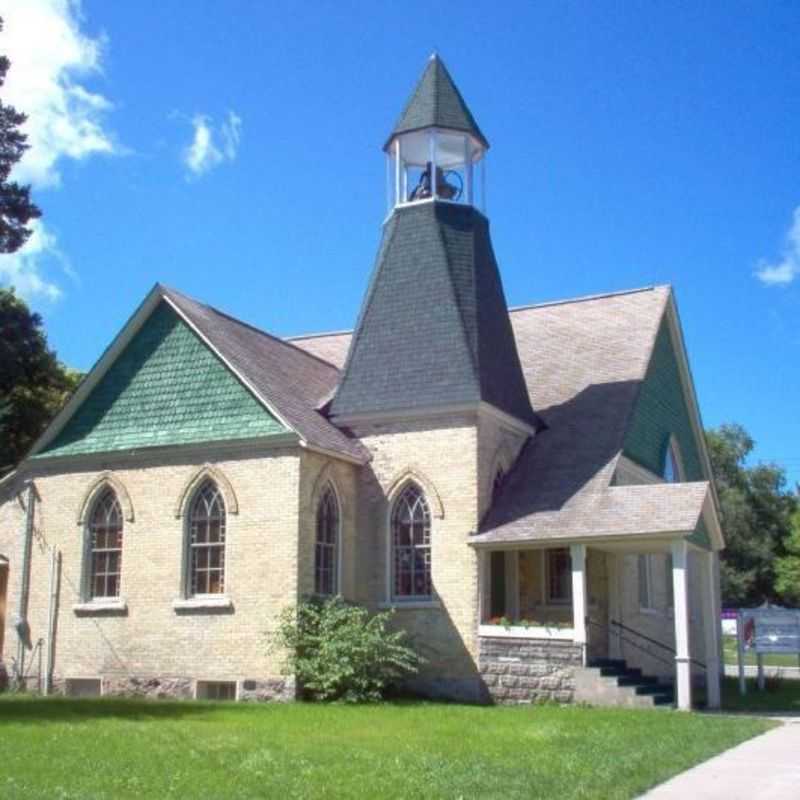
(27,709)
(781,697)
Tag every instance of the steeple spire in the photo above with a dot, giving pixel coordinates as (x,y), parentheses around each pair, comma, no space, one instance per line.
(437,103)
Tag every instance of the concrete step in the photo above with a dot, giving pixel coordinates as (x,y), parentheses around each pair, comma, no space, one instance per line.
(610,682)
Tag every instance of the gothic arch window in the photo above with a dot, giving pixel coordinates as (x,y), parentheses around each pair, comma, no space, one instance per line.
(205,541)
(104,547)
(326,553)
(411,545)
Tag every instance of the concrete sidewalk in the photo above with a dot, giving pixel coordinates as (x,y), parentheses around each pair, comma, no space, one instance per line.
(764,768)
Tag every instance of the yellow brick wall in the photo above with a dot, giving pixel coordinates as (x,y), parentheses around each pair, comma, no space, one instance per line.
(442,455)
(152,638)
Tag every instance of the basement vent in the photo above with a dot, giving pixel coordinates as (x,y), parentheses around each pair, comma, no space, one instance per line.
(216,690)
(83,687)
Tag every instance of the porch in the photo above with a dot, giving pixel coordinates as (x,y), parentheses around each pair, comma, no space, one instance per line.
(562,607)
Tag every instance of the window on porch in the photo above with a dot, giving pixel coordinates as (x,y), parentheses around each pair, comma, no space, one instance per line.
(529,587)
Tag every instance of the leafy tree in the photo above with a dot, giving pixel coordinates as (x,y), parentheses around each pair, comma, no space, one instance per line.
(756,516)
(787,568)
(16,208)
(339,651)
(33,383)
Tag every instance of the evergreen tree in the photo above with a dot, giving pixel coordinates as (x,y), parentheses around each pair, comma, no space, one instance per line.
(16,208)
(33,383)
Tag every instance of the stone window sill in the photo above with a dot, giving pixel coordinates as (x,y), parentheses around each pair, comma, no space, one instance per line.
(114,605)
(211,603)
(399,605)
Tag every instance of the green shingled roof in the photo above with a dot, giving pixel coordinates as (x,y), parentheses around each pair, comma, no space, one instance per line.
(437,103)
(165,388)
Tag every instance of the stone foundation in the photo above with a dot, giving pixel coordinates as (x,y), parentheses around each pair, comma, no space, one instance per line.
(183,688)
(529,670)
(279,690)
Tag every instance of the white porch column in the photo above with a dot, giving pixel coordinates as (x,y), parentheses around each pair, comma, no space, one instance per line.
(578,556)
(683,676)
(711,626)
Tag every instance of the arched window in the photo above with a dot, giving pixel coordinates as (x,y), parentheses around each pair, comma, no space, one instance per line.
(672,463)
(206,541)
(326,562)
(105,546)
(411,545)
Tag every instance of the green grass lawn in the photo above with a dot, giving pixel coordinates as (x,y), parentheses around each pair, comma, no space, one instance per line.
(57,748)
(770,659)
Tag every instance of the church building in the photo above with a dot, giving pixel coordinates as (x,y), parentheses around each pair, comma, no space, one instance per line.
(528,488)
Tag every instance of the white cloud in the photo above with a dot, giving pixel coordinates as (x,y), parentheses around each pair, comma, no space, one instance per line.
(24,269)
(209,146)
(783,272)
(50,55)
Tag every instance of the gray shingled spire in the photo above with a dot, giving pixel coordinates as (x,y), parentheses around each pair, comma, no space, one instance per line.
(436,102)
(434,328)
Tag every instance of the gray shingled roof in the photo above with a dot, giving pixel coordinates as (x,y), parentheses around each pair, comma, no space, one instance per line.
(643,509)
(289,379)
(436,102)
(583,362)
(434,329)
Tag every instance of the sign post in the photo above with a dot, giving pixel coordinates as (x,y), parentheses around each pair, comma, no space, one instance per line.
(770,629)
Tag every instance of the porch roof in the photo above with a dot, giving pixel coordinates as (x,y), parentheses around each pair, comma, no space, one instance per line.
(643,510)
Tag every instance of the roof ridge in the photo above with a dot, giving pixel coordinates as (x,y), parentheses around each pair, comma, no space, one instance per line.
(320,335)
(526,307)
(587,297)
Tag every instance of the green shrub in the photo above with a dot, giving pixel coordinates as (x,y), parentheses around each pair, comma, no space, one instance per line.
(338,651)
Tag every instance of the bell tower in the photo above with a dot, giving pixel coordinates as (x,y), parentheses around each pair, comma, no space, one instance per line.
(436,135)
(434,332)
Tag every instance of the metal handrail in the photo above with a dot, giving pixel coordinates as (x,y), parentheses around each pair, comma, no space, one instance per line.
(650,640)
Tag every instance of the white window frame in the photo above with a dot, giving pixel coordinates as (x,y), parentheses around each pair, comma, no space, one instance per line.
(87,580)
(410,600)
(549,599)
(645,584)
(186,589)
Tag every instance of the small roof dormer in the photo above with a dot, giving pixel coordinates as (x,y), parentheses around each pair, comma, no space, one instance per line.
(436,135)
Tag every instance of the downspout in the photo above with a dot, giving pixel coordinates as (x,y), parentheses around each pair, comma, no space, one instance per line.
(21,621)
(55,564)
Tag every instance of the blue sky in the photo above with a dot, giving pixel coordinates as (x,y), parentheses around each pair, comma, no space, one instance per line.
(233,151)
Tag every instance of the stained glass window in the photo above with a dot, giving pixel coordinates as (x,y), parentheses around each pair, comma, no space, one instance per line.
(411,545)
